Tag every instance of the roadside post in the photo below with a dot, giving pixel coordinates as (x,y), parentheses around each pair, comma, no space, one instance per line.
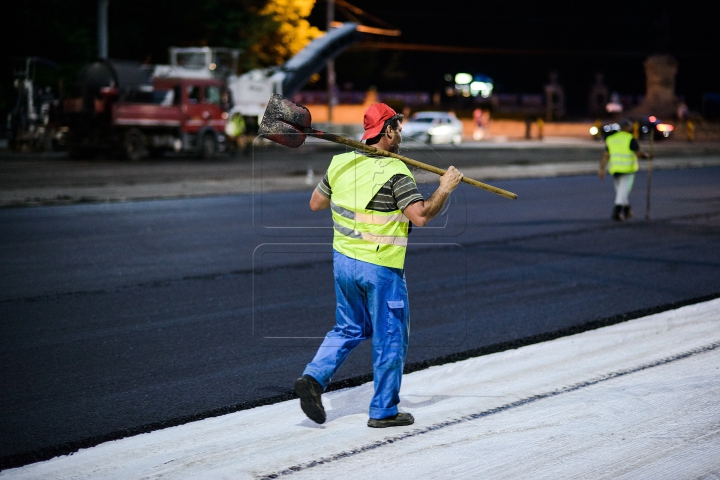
(649,178)
(528,128)
(541,125)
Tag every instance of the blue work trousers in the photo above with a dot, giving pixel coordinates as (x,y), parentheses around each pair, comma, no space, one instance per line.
(372,302)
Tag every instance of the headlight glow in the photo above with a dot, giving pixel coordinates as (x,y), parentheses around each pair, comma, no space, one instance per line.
(439,130)
(463,78)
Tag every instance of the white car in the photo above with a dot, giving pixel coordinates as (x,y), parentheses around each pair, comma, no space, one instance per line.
(433,127)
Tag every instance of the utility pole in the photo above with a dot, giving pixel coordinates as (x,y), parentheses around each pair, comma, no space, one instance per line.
(102,29)
(330,64)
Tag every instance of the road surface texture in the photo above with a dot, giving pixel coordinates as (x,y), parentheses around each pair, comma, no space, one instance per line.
(125,317)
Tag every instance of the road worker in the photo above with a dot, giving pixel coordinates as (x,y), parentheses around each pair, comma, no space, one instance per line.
(620,157)
(373,199)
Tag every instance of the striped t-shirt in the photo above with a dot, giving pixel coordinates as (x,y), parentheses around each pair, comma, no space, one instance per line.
(397,193)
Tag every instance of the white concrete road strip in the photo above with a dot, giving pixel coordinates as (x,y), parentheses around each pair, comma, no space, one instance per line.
(639,399)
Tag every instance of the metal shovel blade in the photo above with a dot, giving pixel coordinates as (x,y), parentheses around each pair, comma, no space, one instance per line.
(284,122)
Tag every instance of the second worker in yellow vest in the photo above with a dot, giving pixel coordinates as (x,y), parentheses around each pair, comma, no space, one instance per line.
(620,157)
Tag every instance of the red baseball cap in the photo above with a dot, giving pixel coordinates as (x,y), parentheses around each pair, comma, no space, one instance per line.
(374,119)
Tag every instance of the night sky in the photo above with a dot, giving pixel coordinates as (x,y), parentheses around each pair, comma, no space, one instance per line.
(532,39)
(521,42)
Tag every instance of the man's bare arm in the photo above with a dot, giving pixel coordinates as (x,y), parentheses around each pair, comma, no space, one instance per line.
(318,201)
(420,213)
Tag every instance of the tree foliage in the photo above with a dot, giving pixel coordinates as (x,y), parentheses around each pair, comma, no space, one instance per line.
(255,26)
(289,33)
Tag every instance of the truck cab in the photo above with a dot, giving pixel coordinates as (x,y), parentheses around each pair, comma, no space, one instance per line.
(196,108)
(116,108)
(182,114)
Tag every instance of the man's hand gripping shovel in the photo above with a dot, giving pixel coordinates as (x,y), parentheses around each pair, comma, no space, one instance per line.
(287,123)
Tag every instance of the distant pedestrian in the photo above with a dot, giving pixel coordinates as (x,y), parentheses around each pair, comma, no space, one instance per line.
(620,157)
(682,112)
(373,200)
(479,121)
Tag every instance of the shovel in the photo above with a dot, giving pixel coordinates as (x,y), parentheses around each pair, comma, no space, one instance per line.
(288,123)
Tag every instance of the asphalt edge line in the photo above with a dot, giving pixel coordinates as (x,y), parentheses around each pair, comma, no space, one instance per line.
(485,413)
(22,459)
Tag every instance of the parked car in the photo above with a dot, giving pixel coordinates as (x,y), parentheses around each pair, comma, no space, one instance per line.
(433,127)
(646,125)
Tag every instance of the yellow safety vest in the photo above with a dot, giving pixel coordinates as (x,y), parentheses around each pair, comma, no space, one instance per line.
(375,237)
(622,158)
(235,126)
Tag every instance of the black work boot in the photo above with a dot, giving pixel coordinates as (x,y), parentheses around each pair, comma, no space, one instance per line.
(627,212)
(310,391)
(618,213)
(399,420)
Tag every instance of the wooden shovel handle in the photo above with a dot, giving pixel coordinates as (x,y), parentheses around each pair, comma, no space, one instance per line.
(331,137)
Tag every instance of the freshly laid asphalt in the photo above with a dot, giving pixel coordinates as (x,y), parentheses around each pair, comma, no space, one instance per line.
(634,400)
(121,317)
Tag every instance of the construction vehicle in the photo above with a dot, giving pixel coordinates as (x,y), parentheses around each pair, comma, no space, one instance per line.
(29,121)
(251,91)
(118,107)
(137,110)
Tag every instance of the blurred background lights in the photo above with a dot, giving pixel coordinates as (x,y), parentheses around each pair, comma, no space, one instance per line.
(463,78)
(482,88)
(471,86)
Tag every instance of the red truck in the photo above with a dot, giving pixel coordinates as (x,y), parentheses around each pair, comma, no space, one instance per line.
(119,108)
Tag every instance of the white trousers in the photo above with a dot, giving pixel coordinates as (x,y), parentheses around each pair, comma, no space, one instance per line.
(623,184)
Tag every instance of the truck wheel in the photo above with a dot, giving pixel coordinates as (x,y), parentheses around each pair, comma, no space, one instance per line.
(208,146)
(135,145)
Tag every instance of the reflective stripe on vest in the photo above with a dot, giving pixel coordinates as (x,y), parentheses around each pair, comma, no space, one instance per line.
(375,237)
(372,219)
(622,158)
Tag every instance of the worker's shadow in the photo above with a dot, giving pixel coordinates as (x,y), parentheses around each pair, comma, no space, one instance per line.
(356,401)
